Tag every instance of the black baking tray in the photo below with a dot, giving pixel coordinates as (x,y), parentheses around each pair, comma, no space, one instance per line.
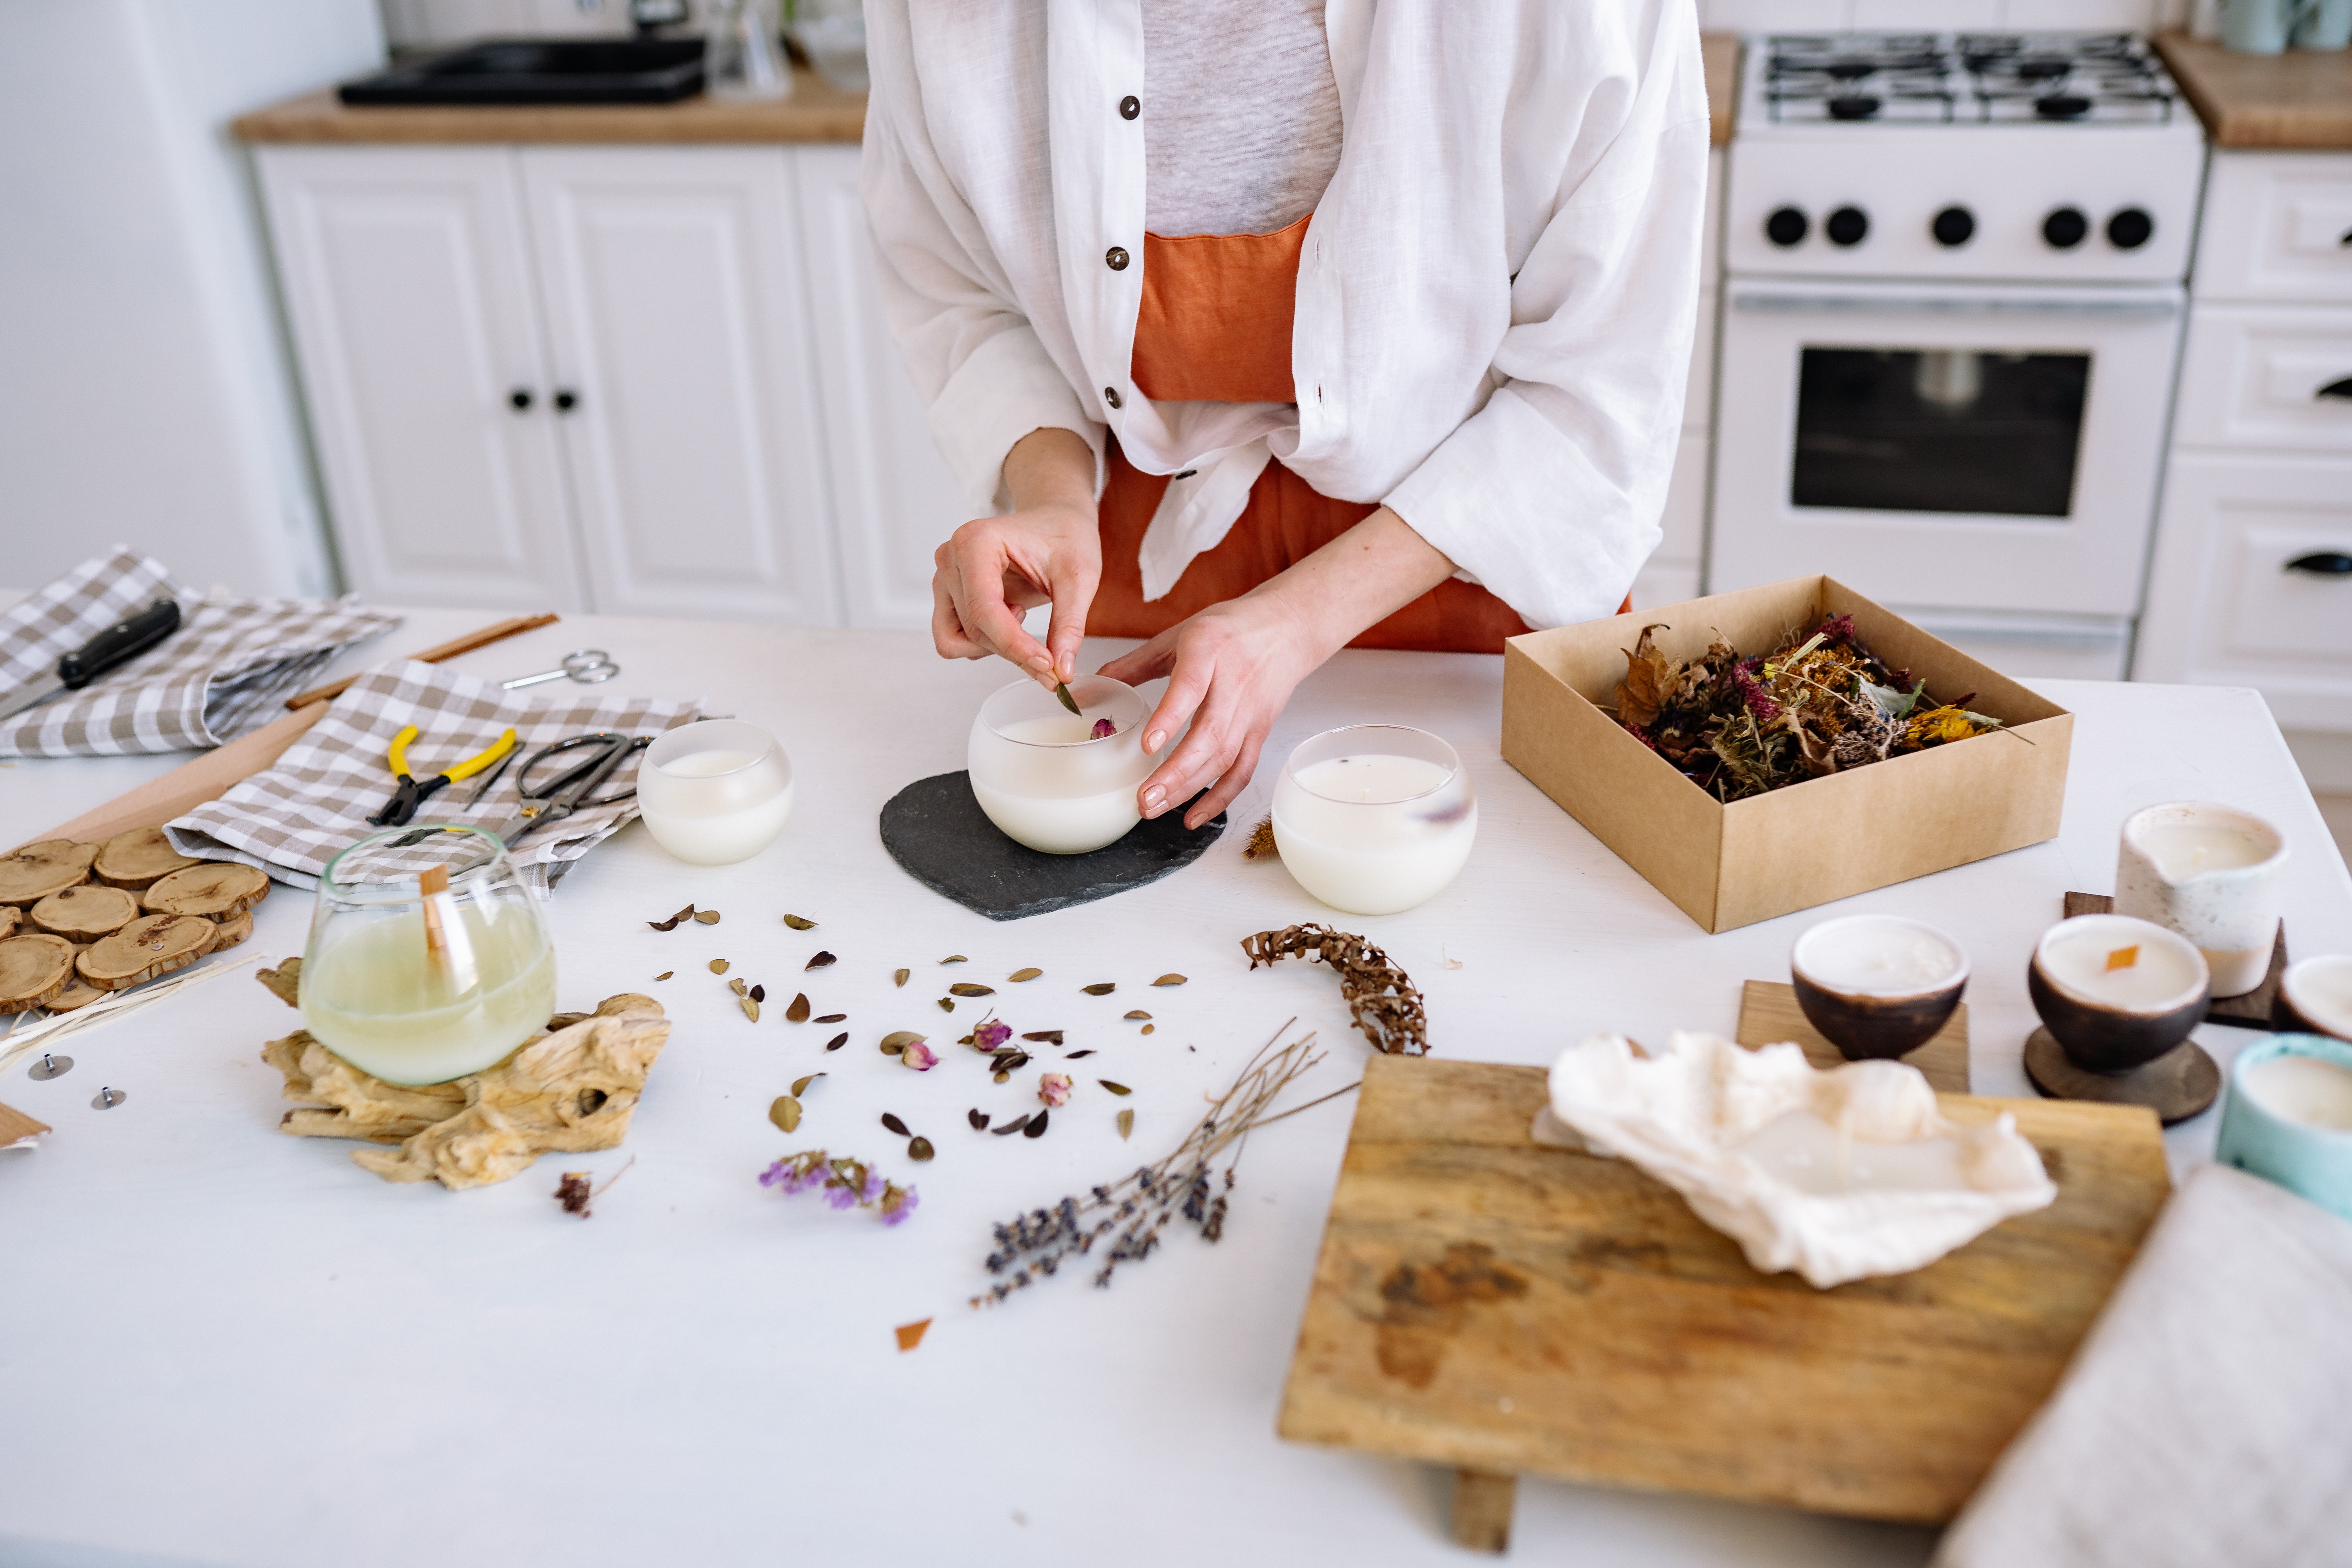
(541,70)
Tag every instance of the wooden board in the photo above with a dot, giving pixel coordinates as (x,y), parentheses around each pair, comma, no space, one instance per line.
(2302,99)
(2255,1010)
(817,112)
(1768,1015)
(212,775)
(1490,1304)
(16,1127)
(1719,61)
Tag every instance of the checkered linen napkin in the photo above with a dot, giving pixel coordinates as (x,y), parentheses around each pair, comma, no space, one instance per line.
(205,684)
(292,819)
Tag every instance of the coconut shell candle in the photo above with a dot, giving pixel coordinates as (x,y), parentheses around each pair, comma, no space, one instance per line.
(1877,985)
(2117,998)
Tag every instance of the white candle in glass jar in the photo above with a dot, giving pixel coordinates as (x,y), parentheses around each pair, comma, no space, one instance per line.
(1374,818)
(716,792)
(1047,778)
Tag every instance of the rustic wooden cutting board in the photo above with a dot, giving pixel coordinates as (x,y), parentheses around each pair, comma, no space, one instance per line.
(1487,1303)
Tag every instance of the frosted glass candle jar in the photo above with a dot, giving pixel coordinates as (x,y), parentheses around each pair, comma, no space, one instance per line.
(1043,776)
(1374,818)
(418,986)
(715,793)
(2210,872)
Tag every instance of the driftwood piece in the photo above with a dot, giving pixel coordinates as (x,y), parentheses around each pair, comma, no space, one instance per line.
(574,1090)
(84,913)
(136,859)
(32,873)
(33,969)
(150,946)
(1380,996)
(214,889)
(285,981)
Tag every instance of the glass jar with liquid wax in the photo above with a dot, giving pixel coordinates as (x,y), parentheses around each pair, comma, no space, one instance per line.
(428,957)
(1059,782)
(1374,818)
(716,792)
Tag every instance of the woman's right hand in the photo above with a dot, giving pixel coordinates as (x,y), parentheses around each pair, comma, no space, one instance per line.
(1046,550)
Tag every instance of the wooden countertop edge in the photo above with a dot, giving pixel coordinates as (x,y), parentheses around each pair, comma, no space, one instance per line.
(816,113)
(1719,52)
(2300,100)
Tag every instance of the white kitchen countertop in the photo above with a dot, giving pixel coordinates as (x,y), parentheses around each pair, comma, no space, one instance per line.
(223,1345)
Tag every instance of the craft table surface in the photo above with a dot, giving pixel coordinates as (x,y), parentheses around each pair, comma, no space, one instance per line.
(223,1345)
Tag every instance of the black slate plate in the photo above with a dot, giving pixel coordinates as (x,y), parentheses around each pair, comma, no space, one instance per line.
(936,830)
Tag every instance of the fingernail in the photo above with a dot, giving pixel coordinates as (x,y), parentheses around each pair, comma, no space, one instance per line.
(1153,742)
(1153,796)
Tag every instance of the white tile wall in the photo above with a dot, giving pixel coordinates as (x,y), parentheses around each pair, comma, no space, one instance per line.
(1937,15)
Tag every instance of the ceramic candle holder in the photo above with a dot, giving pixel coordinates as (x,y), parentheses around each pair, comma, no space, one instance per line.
(2210,873)
(2289,1117)
(715,793)
(1045,778)
(1374,818)
(1877,985)
(2117,998)
(2316,997)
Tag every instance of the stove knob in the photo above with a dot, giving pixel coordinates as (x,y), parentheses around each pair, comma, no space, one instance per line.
(1954,225)
(1786,227)
(2129,228)
(1847,225)
(2066,228)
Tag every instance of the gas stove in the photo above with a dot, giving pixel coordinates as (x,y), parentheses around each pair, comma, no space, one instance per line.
(2025,157)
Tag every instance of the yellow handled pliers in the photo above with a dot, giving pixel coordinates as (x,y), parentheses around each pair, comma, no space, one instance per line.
(414,791)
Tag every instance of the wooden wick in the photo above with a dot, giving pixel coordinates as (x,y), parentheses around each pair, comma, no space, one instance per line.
(433,882)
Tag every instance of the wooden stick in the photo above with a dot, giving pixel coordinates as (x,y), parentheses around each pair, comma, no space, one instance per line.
(449,649)
(431,885)
(189,785)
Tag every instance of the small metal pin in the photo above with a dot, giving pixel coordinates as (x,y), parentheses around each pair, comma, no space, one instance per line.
(108,1098)
(49,1066)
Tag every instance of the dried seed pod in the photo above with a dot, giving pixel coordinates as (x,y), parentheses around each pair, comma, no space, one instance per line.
(665,975)
(831,1018)
(706,916)
(1149,1027)
(1261,845)
(737,986)
(968,989)
(1074,1055)
(979,1119)
(798,1012)
(955,958)
(1015,1125)
(717,967)
(838,1041)
(800,1084)
(919,1150)
(892,1044)
(1050,1036)
(671,923)
(899,977)
(1169,980)
(1037,1127)
(821,961)
(1114,1088)
(759,994)
(797,924)
(787,1111)
(947,1005)
(895,1125)
(1103,989)
(1018,975)
(1126,1122)
(1000,1077)
(1012,1062)
(1137,1015)
(751,1009)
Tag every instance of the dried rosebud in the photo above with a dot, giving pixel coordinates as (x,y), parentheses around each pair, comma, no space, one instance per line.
(919,1056)
(1054,1088)
(1103,727)
(991,1035)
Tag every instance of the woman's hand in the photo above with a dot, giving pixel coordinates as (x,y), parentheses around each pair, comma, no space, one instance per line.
(1047,549)
(1231,668)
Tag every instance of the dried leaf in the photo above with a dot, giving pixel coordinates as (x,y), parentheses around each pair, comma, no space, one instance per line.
(1013,1061)
(1062,690)
(787,1111)
(798,1012)
(911,1334)
(947,1005)
(1015,1125)
(968,989)
(751,1009)
(919,1150)
(1137,1015)
(759,994)
(1649,679)
(800,1084)
(821,961)
(1114,1088)
(1103,989)
(900,977)
(1074,1055)
(1126,1122)
(665,975)
(671,923)
(1169,980)
(1001,1077)
(1037,1127)
(979,1119)
(706,916)
(838,1041)
(894,1124)
(717,967)
(737,986)
(890,1050)
(1149,1027)
(1019,975)
(1050,1036)
(830,1018)
(955,958)
(900,1040)
(799,924)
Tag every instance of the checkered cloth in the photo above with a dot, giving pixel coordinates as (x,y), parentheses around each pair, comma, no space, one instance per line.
(205,684)
(291,819)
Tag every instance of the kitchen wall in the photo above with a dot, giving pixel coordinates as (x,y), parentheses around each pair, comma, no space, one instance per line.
(1939,16)
(144,395)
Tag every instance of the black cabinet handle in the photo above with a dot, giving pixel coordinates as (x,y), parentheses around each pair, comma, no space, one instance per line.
(2322,564)
(2340,388)
(520,400)
(566,401)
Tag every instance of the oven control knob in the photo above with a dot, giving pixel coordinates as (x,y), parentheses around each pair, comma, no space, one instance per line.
(2129,228)
(1786,226)
(1847,225)
(1954,225)
(2066,228)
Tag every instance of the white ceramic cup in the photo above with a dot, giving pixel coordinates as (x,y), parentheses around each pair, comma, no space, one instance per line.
(716,792)
(2209,873)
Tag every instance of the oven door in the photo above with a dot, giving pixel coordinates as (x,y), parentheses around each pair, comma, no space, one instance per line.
(1974,447)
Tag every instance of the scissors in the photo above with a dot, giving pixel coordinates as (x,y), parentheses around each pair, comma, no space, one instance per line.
(573,788)
(588,666)
(412,792)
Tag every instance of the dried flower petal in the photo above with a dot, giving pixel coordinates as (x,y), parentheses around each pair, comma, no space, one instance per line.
(979,1119)
(797,924)
(830,1018)
(717,967)
(955,958)
(798,1013)
(920,1057)
(1126,1122)
(1137,1015)
(968,989)
(706,916)
(665,975)
(759,994)
(1020,974)
(894,1124)
(1103,988)
(786,1110)
(1103,729)
(1015,1125)
(899,978)
(751,1009)
(1037,1127)
(920,1149)
(1169,980)
(1074,1055)
(821,961)
(1149,1027)
(1053,1087)
(671,923)
(738,987)
(800,1086)
(838,1041)
(911,1334)
(1114,1088)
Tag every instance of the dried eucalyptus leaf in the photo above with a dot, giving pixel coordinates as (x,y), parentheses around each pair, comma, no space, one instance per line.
(979,1119)
(919,1150)
(899,978)
(838,1041)
(759,994)
(968,989)
(894,1124)
(831,1018)
(787,1111)
(717,967)
(947,1005)
(1015,1125)
(665,975)
(821,961)
(1019,975)
(798,1012)
(1114,1088)
(1050,1036)
(1037,1127)
(955,958)
(1102,989)
(902,1038)
(671,923)
(1126,1122)
(799,924)
(800,1084)
(1137,1015)
(706,916)
(1074,1055)
(1169,980)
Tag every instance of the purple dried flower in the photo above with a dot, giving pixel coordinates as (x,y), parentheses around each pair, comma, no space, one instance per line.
(779,1171)
(1103,727)
(897,1203)
(840,1195)
(919,1056)
(989,1035)
(1759,702)
(872,1188)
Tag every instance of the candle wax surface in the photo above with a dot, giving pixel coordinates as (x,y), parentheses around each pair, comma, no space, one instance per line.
(377,998)
(2079,962)
(1357,833)
(1372,780)
(707,764)
(2185,849)
(1054,730)
(2323,994)
(2302,1089)
(1880,961)
(1810,1154)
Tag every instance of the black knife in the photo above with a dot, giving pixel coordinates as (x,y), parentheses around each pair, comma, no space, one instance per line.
(125,640)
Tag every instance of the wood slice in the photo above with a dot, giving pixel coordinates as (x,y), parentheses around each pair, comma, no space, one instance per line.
(33,969)
(85,912)
(10,916)
(234,929)
(31,874)
(147,947)
(78,992)
(214,889)
(135,859)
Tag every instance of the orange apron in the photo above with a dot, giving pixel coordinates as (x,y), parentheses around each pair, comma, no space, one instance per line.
(1215,326)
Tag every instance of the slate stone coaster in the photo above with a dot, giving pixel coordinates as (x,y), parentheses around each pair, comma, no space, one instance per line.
(936,830)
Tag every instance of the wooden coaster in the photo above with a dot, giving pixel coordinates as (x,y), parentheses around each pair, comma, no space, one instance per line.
(1768,1013)
(2177,1084)
(16,1129)
(2252,1011)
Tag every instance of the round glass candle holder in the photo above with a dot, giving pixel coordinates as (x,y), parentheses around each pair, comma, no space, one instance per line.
(418,986)
(1374,818)
(715,792)
(1043,776)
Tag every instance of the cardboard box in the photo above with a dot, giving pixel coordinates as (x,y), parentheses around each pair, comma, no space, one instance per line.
(1829,838)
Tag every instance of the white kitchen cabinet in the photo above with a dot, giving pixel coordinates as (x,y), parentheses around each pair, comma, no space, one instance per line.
(677,330)
(406,277)
(894,500)
(2277,376)
(2277,226)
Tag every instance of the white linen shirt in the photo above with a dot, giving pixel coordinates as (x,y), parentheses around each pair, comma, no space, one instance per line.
(1495,298)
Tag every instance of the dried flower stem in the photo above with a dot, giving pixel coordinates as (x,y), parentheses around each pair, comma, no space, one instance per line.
(1380,996)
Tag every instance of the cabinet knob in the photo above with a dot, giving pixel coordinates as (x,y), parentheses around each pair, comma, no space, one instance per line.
(566,400)
(2341,387)
(519,399)
(2064,228)
(2322,564)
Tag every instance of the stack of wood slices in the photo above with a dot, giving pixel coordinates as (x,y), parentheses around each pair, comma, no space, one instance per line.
(77,921)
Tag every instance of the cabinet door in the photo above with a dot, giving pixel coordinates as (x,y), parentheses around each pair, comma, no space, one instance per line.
(679,340)
(406,279)
(2277,376)
(894,500)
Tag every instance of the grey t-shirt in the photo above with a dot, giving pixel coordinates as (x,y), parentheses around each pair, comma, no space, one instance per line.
(1241,115)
